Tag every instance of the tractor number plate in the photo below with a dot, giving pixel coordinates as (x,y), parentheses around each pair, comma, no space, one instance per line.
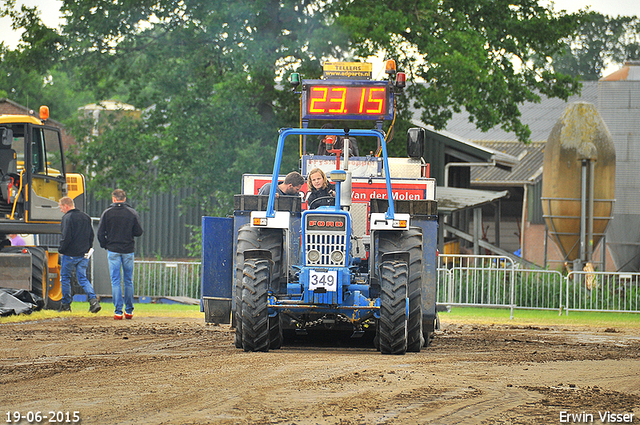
(326,280)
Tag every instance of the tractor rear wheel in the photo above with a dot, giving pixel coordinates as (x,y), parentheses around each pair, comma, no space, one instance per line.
(409,241)
(39,271)
(275,332)
(392,325)
(255,314)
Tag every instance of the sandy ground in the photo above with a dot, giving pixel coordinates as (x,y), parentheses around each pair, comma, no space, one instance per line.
(154,370)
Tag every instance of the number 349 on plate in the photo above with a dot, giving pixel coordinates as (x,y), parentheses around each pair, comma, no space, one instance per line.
(324,279)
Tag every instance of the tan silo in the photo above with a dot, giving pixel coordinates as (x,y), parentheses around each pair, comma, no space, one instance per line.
(579,180)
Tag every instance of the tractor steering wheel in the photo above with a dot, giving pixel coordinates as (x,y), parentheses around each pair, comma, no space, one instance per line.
(321,201)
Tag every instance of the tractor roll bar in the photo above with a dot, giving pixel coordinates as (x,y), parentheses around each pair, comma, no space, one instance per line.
(284,132)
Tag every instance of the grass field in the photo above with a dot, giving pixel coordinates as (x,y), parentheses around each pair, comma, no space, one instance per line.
(81,309)
(540,317)
(457,315)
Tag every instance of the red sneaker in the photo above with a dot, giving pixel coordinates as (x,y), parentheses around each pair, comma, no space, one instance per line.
(128,316)
(117,316)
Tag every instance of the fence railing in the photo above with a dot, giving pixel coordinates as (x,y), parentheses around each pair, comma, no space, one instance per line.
(599,291)
(538,289)
(166,279)
(494,281)
(476,280)
(464,280)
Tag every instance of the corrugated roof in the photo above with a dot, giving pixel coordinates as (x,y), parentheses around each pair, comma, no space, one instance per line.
(526,171)
(540,117)
(454,198)
(475,150)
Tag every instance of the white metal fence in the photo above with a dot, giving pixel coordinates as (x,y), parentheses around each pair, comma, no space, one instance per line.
(481,280)
(598,291)
(495,281)
(166,279)
(463,280)
(476,280)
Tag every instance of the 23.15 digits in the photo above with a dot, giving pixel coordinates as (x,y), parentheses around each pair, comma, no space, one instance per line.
(38,417)
(347,100)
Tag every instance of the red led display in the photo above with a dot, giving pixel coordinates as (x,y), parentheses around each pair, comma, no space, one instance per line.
(346,101)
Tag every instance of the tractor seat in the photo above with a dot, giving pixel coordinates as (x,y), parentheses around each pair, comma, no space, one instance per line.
(8,162)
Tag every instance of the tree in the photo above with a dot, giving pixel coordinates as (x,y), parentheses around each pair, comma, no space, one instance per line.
(476,54)
(32,74)
(598,41)
(22,70)
(207,73)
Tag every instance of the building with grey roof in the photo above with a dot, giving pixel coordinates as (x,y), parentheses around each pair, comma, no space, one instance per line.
(516,221)
(619,105)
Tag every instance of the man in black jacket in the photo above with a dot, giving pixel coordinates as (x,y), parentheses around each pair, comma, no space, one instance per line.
(77,239)
(289,187)
(119,224)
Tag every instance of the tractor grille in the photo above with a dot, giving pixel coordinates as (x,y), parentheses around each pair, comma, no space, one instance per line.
(326,244)
(324,235)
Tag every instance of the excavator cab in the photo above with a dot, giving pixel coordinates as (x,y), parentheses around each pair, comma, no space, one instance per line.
(32,181)
(33,177)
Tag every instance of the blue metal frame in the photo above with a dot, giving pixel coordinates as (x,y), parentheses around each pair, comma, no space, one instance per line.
(284,132)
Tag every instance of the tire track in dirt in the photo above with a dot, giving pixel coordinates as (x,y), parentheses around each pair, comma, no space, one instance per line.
(490,403)
(182,372)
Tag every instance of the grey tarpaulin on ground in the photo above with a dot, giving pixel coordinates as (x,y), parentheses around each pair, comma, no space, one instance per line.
(18,301)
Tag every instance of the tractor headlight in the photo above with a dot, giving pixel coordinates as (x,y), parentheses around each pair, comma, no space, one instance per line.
(313,256)
(337,256)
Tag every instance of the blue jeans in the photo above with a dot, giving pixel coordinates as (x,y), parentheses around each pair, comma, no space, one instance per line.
(124,262)
(79,264)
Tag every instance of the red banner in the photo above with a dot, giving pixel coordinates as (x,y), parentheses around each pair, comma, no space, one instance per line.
(363,191)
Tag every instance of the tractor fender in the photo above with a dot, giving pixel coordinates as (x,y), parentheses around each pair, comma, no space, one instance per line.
(257,254)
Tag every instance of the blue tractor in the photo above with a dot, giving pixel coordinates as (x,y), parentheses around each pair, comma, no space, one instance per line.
(295,271)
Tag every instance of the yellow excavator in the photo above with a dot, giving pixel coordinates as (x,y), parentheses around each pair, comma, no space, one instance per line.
(32,181)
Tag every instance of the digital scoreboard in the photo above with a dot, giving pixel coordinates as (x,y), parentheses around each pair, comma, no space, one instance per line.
(347,100)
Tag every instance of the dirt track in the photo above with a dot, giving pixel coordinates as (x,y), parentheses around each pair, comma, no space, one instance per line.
(181,371)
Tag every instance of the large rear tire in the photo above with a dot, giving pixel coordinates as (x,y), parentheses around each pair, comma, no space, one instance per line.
(254,238)
(276,336)
(409,241)
(52,291)
(392,325)
(39,271)
(255,314)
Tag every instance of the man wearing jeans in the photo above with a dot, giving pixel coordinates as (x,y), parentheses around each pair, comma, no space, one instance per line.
(119,224)
(77,239)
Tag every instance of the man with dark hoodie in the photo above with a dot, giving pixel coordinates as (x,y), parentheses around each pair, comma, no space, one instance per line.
(119,224)
(77,239)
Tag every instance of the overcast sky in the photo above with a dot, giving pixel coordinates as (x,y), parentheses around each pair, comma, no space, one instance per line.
(50,12)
